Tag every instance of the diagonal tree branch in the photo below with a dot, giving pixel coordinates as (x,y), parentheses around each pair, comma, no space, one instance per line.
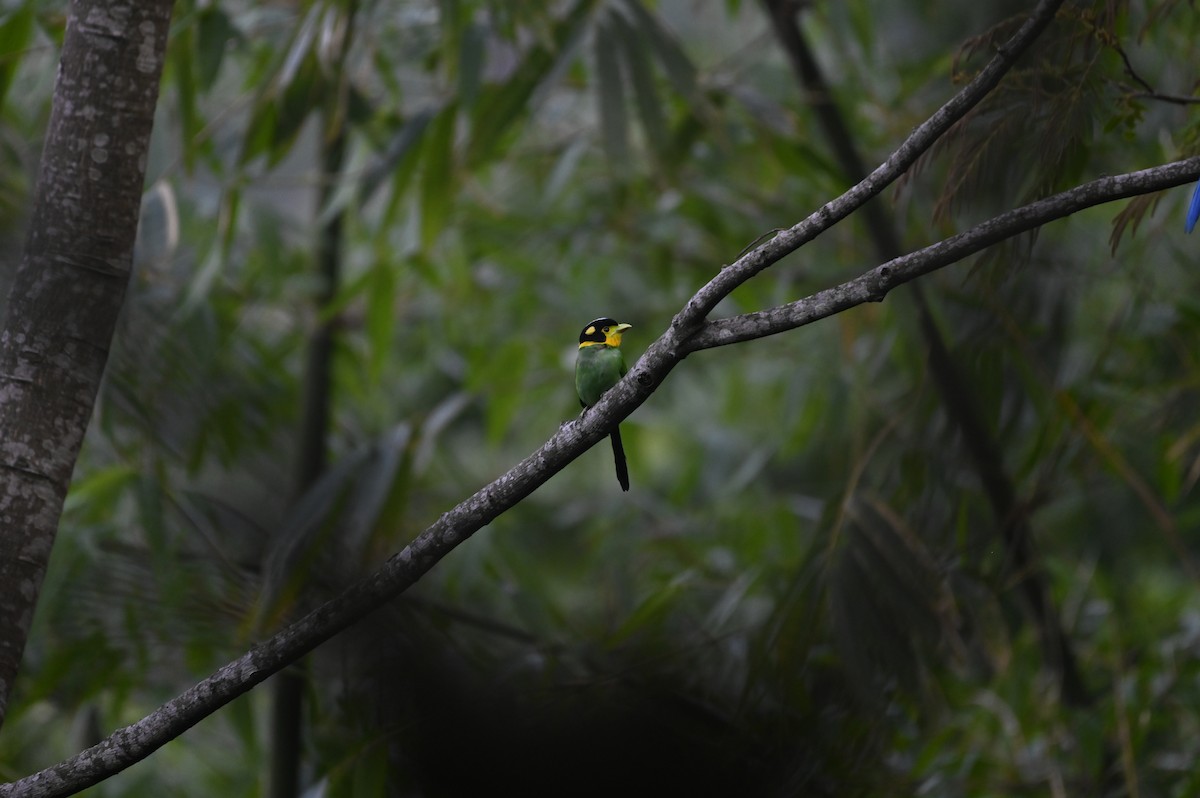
(137,741)
(874,285)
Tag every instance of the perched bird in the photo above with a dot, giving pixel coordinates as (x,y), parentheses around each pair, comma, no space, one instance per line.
(597,368)
(1193,210)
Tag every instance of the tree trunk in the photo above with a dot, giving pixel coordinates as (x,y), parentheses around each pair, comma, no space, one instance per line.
(70,285)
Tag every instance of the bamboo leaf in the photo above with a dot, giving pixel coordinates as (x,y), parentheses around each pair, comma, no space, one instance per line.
(501,105)
(260,131)
(472,46)
(641,77)
(381,316)
(400,158)
(16,34)
(653,609)
(214,32)
(97,494)
(438,176)
(675,62)
(182,54)
(564,169)
(296,90)
(610,96)
(301,96)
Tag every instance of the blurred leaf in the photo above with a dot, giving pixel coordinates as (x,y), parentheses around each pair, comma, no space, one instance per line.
(439,178)
(381,315)
(181,56)
(16,35)
(260,132)
(675,63)
(501,105)
(96,495)
(610,95)
(491,378)
(470,63)
(652,611)
(301,48)
(399,160)
(300,96)
(296,89)
(217,256)
(564,170)
(641,78)
(214,33)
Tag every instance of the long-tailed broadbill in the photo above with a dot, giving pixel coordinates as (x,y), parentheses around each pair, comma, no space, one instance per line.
(598,367)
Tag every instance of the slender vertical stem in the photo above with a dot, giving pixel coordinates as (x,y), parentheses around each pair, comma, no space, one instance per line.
(288,688)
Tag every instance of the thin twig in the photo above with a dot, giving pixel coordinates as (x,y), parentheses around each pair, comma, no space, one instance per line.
(1129,70)
(1174,99)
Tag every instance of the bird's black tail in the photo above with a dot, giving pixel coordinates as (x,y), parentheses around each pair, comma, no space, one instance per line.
(619,456)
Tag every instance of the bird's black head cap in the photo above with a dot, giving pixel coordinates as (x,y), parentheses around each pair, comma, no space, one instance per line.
(594,331)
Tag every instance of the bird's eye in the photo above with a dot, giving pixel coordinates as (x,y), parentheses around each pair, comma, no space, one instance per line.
(606,330)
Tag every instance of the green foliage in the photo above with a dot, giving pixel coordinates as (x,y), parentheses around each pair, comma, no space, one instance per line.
(16,34)
(21,39)
(807,589)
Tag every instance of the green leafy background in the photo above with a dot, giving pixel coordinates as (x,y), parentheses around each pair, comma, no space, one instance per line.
(806,590)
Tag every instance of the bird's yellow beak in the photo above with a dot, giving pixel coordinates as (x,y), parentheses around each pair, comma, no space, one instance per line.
(613,336)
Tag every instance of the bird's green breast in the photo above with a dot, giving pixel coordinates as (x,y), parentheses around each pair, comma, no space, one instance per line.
(597,369)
